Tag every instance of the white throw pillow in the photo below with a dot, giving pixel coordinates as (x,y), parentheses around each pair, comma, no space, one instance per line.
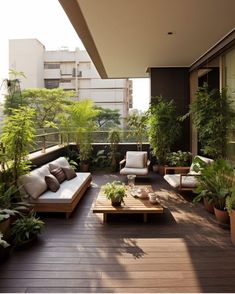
(34,183)
(135,159)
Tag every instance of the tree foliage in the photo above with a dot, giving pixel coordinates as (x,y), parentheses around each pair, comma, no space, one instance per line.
(48,104)
(107,117)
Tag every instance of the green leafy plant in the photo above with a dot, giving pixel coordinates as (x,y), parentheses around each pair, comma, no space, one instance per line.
(3,243)
(137,123)
(179,158)
(101,159)
(164,127)
(213,116)
(215,183)
(230,200)
(26,228)
(18,138)
(115,192)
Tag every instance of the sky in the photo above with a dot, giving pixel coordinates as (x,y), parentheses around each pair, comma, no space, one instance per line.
(46,21)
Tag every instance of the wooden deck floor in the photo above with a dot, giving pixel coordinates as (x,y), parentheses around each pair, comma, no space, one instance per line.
(182,250)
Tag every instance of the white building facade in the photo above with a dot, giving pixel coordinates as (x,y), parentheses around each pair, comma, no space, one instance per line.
(70,70)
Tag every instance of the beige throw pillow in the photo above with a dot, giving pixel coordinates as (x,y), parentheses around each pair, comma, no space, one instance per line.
(69,173)
(135,159)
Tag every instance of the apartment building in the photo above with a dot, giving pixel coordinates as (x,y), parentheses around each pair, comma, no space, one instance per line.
(70,70)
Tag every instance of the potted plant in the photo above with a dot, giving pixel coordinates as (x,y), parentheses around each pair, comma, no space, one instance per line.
(115,192)
(4,248)
(179,158)
(212,115)
(114,139)
(214,184)
(230,205)
(25,230)
(85,149)
(163,129)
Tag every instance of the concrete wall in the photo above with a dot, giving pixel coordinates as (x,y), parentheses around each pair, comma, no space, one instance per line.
(27,55)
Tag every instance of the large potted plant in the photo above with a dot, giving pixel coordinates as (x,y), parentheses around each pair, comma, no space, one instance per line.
(178,159)
(163,129)
(214,184)
(25,230)
(115,192)
(212,115)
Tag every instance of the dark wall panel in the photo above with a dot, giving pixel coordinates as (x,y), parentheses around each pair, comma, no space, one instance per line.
(173,83)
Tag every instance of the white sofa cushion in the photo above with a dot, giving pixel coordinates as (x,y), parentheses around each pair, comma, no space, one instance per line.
(34,183)
(67,191)
(136,159)
(59,162)
(187,181)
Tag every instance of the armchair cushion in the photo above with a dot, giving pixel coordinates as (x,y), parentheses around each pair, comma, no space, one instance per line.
(134,171)
(136,159)
(187,181)
(205,159)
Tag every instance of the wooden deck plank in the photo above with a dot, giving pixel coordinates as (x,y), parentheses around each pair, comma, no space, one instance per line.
(181,250)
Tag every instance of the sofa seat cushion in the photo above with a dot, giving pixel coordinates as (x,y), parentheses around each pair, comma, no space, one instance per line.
(134,171)
(187,181)
(67,191)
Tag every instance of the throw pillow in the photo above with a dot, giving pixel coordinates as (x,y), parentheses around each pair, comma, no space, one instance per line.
(52,183)
(69,173)
(59,174)
(135,159)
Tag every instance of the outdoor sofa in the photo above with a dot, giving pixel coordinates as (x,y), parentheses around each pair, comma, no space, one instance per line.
(65,199)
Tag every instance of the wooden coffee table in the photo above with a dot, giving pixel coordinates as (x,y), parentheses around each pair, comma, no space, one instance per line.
(132,205)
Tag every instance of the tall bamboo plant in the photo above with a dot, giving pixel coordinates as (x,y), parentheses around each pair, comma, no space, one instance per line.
(213,116)
(164,127)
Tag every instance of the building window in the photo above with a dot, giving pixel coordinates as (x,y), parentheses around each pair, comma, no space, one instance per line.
(51,84)
(51,65)
(229,82)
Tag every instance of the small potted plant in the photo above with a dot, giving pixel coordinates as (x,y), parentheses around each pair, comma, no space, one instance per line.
(25,230)
(179,158)
(115,192)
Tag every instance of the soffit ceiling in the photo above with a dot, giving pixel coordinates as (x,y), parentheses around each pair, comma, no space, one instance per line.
(126,37)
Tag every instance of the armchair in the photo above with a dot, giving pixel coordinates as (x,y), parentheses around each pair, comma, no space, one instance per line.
(136,163)
(186,181)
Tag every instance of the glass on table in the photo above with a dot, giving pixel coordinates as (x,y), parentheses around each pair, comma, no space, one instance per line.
(131,180)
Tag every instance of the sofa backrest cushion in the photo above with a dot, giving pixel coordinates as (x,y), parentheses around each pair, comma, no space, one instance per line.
(136,159)
(59,162)
(34,183)
(52,183)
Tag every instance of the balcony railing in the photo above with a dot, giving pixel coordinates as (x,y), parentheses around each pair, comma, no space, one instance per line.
(46,140)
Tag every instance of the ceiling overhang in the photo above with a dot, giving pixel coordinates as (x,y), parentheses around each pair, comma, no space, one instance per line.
(126,37)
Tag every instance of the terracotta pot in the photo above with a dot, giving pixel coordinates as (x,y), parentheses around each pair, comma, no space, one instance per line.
(232,225)
(27,243)
(222,216)
(208,206)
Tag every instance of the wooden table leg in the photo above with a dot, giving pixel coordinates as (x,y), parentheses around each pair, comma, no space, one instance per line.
(145,217)
(105,217)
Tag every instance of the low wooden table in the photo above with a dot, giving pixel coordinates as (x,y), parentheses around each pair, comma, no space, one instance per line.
(132,205)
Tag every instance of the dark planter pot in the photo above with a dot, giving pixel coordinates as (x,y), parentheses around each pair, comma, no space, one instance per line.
(232,225)
(5,253)
(208,206)
(155,168)
(84,167)
(116,203)
(27,243)
(161,170)
(222,217)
